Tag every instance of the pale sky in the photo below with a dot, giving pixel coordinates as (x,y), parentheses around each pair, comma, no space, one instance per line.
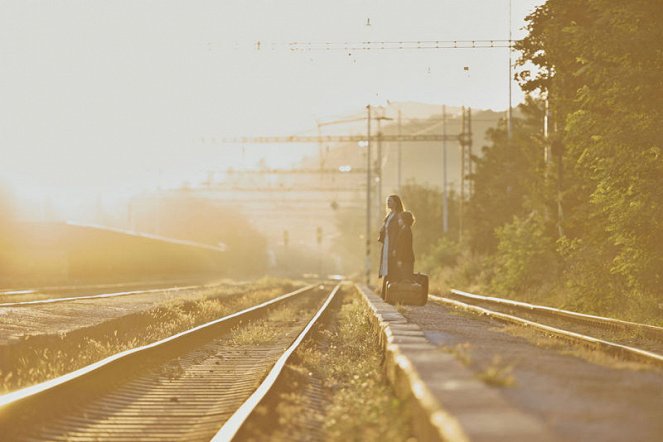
(109,97)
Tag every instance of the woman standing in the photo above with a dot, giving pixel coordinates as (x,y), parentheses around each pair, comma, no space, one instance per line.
(388,235)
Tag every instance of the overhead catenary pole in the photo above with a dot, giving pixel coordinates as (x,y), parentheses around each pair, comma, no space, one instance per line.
(510,110)
(400,154)
(462,176)
(445,201)
(378,172)
(465,165)
(320,147)
(470,168)
(368,197)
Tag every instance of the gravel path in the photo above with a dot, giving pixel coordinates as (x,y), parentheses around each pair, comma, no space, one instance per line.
(578,400)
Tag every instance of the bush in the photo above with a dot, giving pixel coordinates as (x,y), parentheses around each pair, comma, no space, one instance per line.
(525,257)
(444,253)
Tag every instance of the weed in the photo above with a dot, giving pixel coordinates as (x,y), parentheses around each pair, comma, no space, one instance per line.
(336,385)
(498,374)
(402,309)
(461,352)
(349,365)
(285,313)
(590,355)
(253,333)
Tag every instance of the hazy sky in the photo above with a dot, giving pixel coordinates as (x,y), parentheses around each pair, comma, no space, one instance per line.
(108,96)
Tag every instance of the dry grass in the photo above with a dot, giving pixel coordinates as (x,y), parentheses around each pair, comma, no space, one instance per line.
(363,406)
(461,352)
(253,333)
(402,309)
(594,356)
(262,331)
(498,374)
(344,359)
(40,358)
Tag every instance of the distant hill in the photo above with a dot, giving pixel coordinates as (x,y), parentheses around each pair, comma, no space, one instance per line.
(422,161)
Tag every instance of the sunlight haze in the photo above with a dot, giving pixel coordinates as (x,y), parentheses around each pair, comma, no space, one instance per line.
(114,97)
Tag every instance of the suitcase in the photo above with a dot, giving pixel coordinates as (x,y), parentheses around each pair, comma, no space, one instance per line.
(406,292)
(422,280)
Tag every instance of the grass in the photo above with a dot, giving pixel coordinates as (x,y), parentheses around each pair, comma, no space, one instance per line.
(44,357)
(401,308)
(594,356)
(261,332)
(461,352)
(342,365)
(498,374)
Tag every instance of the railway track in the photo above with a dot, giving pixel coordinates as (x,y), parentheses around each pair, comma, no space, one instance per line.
(64,289)
(627,340)
(46,299)
(181,388)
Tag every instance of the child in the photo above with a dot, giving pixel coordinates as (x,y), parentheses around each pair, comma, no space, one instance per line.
(404,253)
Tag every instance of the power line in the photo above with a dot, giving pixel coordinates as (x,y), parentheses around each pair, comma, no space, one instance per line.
(327,139)
(305,46)
(297,171)
(300,46)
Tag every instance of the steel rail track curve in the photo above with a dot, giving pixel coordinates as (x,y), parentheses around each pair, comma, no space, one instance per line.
(192,372)
(619,350)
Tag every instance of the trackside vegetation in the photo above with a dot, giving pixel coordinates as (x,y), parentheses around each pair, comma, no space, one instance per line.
(40,358)
(334,389)
(572,218)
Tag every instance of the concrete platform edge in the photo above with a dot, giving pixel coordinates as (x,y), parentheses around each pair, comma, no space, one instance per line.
(446,400)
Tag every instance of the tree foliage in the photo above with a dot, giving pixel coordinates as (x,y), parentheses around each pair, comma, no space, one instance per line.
(425,203)
(586,225)
(599,62)
(509,179)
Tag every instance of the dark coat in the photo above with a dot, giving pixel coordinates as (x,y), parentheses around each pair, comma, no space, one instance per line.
(404,253)
(391,228)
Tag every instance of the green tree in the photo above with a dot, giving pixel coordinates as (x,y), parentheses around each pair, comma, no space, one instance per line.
(599,62)
(425,203)
(509,179)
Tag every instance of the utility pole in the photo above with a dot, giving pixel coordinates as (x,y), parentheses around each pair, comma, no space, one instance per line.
(445,200)
(400,154)
(368,197)
(379,118)
(509,112)
(463,159)
(470,171)
(354,138)
(320,147)
(378,172)
(465,164)
(546,117)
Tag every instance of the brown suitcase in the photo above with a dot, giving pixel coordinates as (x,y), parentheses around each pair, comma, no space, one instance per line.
(422,279)
(406,292)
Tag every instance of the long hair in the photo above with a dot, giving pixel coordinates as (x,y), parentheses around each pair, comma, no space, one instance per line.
(399,204)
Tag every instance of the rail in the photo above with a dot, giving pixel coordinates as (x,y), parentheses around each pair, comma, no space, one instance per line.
(98,296)
(22,408)
(650,330)
(619,350)
(234,424)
